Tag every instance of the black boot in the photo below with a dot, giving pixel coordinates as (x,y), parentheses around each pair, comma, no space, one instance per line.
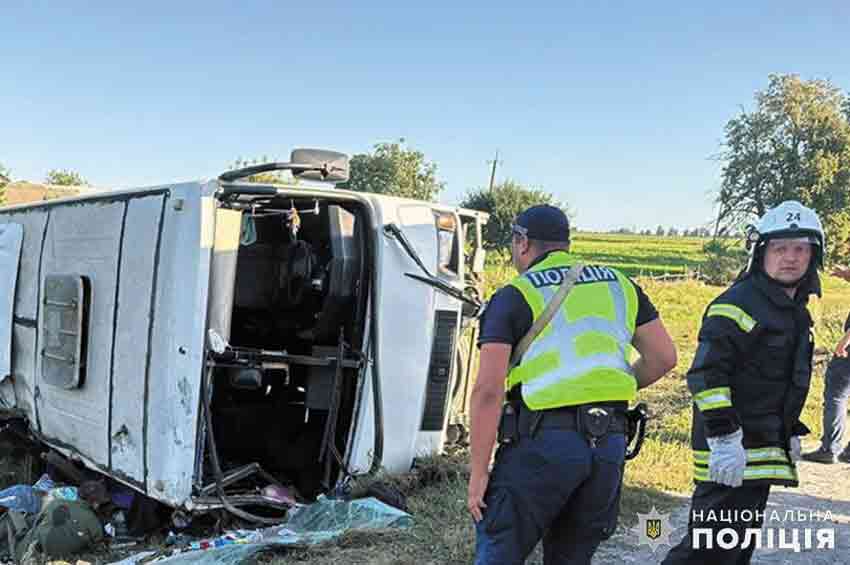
(820,455)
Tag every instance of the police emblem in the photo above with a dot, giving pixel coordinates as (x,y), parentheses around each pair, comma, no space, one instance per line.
(653,529)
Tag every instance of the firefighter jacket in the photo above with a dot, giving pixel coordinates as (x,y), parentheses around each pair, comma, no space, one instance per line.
(752,370)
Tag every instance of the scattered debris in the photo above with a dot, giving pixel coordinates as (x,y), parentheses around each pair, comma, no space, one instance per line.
(22,498)
(63,527)
(312,524)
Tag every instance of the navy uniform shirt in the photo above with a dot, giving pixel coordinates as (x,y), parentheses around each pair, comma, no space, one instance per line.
(508,316)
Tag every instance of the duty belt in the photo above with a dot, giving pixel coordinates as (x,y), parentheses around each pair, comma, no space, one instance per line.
(592,420)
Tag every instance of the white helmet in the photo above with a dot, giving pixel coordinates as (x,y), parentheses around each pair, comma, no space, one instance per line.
(789,219)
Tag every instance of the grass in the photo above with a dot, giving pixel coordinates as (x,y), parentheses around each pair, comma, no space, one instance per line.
(633,254)
(641,255)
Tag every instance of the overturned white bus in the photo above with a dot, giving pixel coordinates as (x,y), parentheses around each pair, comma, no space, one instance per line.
(180,338)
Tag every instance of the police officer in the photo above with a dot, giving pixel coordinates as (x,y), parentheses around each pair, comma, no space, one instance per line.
(559,466)
(749,381)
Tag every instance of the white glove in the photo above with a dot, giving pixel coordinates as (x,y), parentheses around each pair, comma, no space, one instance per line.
(794,449)
(728,459)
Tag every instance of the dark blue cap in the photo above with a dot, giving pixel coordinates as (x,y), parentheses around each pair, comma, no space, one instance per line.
(543,222)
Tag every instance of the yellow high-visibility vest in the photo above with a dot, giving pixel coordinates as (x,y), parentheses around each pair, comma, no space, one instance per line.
(581,356)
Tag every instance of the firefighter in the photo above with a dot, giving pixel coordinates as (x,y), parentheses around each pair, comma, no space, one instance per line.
(749,381)
(559,466)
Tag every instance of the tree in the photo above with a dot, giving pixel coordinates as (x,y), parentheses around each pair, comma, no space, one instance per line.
(394,170)
(5,177)
(794,145)
(503,203)
(659,230)
(65,177)
(672,232)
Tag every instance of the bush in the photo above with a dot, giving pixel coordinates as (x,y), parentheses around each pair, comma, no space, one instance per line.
(724,260)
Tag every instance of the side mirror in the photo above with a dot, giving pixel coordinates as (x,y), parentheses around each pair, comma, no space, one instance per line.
(320,165)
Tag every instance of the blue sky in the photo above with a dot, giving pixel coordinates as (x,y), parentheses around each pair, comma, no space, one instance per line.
(615,107)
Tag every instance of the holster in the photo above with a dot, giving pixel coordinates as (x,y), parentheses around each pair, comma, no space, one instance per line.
(508,424)
(636,418)
(594,422)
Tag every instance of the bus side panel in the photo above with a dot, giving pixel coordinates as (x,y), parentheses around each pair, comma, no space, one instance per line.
(25,310)
(132,336)
(177,347)
(82,240)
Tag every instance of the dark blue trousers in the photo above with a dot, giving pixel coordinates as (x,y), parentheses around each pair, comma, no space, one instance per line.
(553,487)
(835,393)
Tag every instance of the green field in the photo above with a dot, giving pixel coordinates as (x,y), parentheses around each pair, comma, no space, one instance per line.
(638,255)
(443,532)
(635,255)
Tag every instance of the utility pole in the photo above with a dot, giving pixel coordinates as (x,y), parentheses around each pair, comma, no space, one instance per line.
(495,162)
(717,223)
